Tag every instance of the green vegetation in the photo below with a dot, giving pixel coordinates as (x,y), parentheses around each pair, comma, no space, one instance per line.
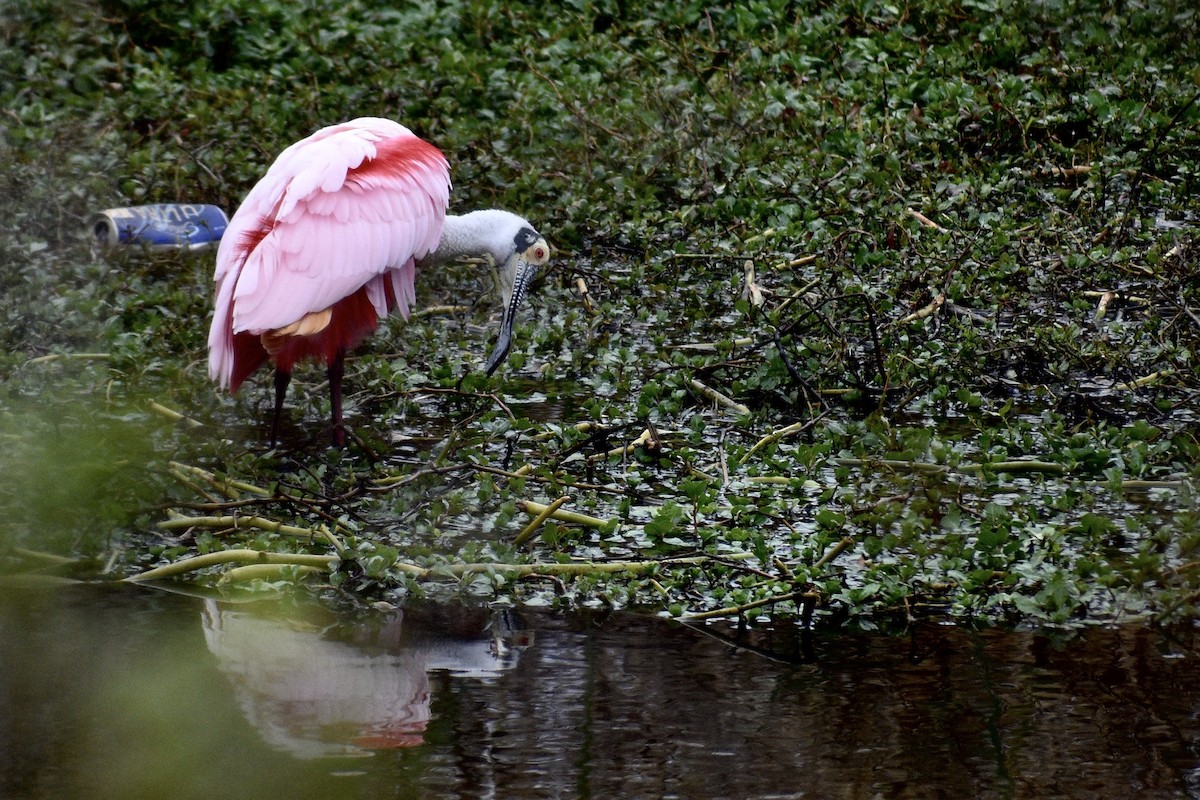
(939,255)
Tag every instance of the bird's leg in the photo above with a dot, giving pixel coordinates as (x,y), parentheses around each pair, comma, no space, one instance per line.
(337,368)
(282,379)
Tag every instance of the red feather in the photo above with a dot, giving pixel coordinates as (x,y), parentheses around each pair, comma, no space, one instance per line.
(352,321)
(397,158)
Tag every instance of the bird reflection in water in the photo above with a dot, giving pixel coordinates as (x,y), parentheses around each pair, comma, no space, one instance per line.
(319,688)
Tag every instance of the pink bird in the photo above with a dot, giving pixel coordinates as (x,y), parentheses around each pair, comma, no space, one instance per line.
(330,241)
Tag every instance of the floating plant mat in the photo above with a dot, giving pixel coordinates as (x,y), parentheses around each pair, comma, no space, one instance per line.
(855,312)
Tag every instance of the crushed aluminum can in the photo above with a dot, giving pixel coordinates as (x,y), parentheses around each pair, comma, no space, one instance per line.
(167,225)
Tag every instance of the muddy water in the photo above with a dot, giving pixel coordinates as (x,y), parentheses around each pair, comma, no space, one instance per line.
(141,693)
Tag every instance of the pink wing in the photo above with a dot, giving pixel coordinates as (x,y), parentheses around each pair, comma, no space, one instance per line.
(350,207)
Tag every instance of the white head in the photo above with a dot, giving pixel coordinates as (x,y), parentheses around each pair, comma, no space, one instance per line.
(518,250)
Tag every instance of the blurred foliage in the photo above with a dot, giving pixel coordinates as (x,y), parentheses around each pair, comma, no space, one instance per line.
(938,198)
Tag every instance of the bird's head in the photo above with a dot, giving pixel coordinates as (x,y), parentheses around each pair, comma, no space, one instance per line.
(518,250)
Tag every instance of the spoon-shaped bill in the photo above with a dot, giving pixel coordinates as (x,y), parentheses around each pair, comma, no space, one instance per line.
(523,272)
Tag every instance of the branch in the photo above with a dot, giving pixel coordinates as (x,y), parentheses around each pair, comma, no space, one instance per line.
(538,520)
(224,485)
(926,311)
(173,415)
(267,572)
(194,563)
(924,220)
(803,594)
(1152,378)
(571,568)
(68,357)
(534,509)
(432,310)
(236,522)
(771,438)
(260,523)
(962,469)
(718,398)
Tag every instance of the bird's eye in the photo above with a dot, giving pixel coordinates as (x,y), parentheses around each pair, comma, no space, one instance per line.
(540,253)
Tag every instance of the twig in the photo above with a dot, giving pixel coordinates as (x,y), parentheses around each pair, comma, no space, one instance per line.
(739,609)
(1132,485)
(963,311)
(524,472)
(796,295)
(1147,163)
(646,438)
(718,398)
(47,559)
(1102,306)
(194,563)
(771,438)
(751,291)
(877,349)
(195,156)
(258,558)
(922,313)
(712,347)
(724,458)
(1147,380)
(267,572)
(174,416)
(797,378)
(582,427)
(224,485)
(555,568)
(695,472)
(1063,172)
(809,596)
(518,473)
(535,509)
(962,469)
(763,234)
(429,311)
(833,552)
(495,398)
(212,499)
(392,481)
(1171,608)
(538,521)
(69,357)
(584,295)
(1143,485)
(699,256)
(796,262)
(1129,298)
(924,220)
(236,522)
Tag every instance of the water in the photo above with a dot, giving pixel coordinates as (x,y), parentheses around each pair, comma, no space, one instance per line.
(137,693)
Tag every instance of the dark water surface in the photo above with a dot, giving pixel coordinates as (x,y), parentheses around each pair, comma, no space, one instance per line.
(139,693)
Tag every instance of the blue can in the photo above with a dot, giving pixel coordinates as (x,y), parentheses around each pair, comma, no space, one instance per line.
(166,225)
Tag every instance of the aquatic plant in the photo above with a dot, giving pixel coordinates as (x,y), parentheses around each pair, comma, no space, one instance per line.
(860,311)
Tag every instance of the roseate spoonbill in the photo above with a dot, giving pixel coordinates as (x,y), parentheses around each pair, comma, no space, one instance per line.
(331,239)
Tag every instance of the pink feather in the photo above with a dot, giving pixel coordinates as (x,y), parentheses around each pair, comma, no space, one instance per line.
(338,222)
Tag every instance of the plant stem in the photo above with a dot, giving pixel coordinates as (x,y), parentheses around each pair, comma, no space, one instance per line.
(766,601)
(538,520)
(261,523)
(718,398)
(223,485)
(244,556)
(267,572)
(173,415)
(534,509)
